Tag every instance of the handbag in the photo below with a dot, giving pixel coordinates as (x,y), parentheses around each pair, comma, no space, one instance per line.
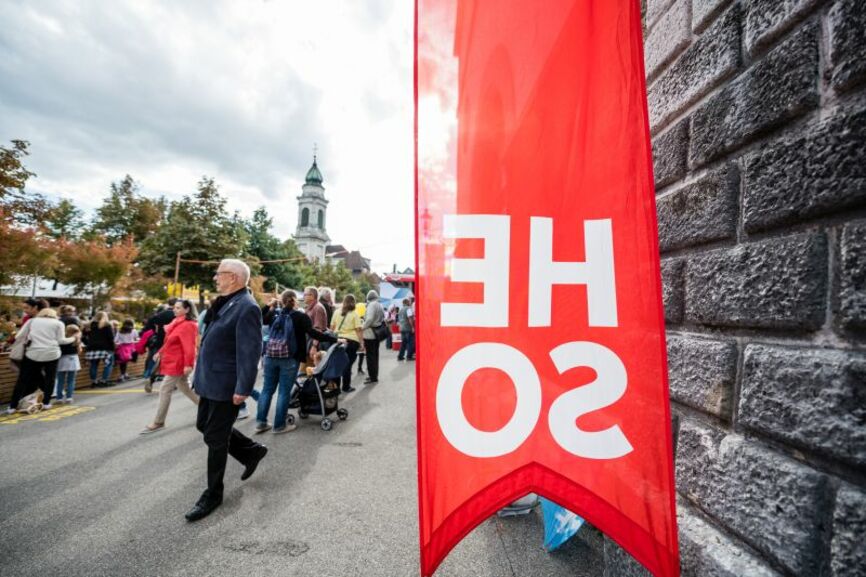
(382,331)
(19,347)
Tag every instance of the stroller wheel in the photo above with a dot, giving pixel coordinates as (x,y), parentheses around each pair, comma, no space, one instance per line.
(290,419)
(302,414)
(343,414)
(327,424)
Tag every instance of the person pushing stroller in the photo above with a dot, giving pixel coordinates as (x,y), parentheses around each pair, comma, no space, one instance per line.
(281,361)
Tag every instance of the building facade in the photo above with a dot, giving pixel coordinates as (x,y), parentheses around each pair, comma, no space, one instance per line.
(758,118)
(310,235)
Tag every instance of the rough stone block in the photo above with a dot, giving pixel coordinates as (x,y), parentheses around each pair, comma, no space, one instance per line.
(715,55)
(777,283)
(668,37)
(778,88)
(675,429)
(766,20)
(700,212)
(847,553)
(706,552)
(850,301)
(847,43)
(670,152)
(819,170)
(672,290)
(654,10)
(811,398)
(773,503)
(618,563)
(702,373)
(703,12)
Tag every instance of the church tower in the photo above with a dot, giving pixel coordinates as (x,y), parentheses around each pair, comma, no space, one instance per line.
(310,236)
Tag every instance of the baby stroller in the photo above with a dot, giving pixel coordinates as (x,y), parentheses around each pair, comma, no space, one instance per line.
(318,393)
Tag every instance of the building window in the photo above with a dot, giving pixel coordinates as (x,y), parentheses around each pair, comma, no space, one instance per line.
(305,217)
(322,220)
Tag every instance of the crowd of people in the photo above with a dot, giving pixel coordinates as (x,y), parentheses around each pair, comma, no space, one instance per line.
(46,351)
(212,357)
(51,365)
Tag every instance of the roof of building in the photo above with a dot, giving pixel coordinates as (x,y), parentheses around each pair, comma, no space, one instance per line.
(354,261)
(336,251)
(314,175)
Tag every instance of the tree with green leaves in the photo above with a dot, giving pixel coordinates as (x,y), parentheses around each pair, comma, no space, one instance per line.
(336,276)
(199,228)
(125,213)
(64,220)
(264,246)
(18,207)
(13,174)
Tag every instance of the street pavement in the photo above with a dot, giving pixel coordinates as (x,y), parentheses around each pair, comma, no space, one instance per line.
(83,494)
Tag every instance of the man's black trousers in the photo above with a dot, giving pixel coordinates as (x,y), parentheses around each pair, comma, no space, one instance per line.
(216,422)
(372,346)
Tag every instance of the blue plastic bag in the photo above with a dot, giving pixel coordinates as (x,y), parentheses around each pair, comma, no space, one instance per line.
(560,524)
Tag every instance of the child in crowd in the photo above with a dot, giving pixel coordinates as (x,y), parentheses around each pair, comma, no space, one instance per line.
(68,366)
(125,341)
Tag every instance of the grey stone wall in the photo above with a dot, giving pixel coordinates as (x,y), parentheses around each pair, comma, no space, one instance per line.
(758,118)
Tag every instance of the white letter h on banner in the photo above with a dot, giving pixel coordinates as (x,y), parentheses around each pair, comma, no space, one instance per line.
(596,272)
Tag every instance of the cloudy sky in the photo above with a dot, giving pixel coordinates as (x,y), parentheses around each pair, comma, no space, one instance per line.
(239,90)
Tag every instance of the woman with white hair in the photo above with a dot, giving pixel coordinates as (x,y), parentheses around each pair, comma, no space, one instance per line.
(374,318)
(326,297)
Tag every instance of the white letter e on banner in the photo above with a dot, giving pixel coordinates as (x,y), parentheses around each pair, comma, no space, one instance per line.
(491,271)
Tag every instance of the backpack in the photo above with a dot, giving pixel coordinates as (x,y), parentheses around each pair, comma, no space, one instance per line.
(281,341)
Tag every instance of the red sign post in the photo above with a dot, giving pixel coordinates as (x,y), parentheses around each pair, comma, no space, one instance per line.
(541,361)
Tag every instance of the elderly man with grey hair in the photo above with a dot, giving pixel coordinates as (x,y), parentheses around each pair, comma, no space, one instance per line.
(374,318)
(326,298)
(225,372)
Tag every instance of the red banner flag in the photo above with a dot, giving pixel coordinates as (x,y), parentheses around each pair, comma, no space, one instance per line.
(540,328)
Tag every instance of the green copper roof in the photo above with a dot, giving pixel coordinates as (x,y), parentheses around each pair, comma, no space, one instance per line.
(314,176)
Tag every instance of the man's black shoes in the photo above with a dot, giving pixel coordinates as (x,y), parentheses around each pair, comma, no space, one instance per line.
(203,508)
(261,451)
(349,390)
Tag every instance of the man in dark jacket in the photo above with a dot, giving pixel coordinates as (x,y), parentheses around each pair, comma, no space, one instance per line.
(225,373)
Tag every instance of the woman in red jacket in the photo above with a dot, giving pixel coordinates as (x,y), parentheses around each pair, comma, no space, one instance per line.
(176,359)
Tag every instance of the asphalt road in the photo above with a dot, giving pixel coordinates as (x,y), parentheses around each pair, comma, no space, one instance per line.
(83,494)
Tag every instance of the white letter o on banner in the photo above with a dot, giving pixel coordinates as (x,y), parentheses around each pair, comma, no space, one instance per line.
(449,406)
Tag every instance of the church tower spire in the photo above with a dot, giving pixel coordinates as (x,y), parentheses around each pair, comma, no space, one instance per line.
(310,235)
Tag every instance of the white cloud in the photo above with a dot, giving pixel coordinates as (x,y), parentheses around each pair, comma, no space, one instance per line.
(235,89)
